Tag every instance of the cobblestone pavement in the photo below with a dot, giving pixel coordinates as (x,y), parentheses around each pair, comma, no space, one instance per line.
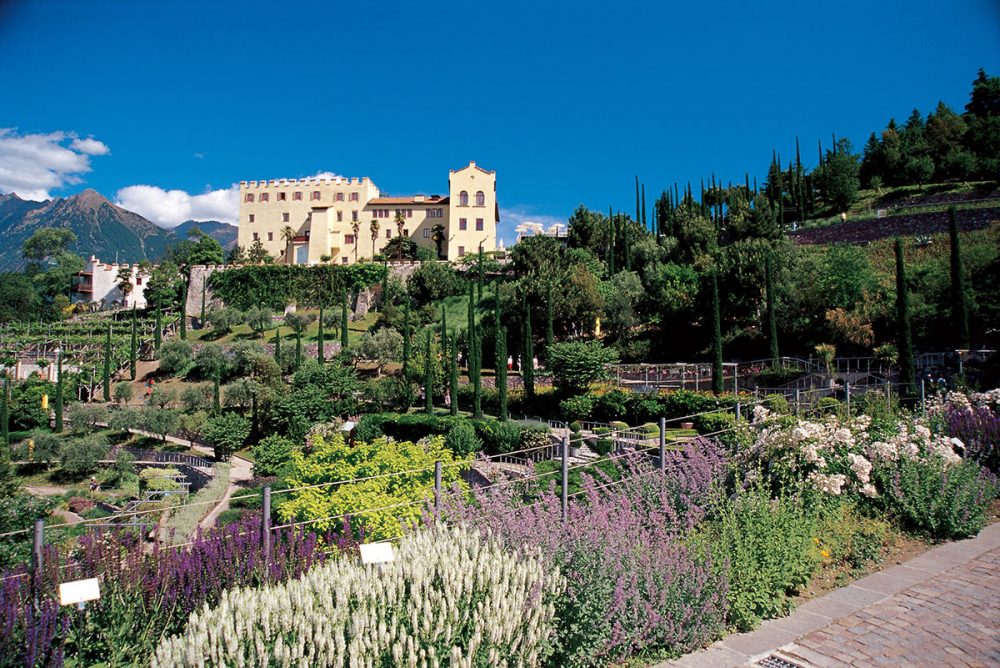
(941,608)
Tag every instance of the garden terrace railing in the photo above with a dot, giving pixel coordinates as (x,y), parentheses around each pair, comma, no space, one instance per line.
(160,457)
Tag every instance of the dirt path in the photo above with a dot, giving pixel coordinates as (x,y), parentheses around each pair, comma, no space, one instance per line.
(240,471)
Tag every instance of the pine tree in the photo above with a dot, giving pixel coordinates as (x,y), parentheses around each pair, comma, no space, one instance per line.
(107,365)
(133,350)
(772,320)
(454,375)
(549,320)
(959,305)
(183,323)
(717,384)
(907,374)
(59,395)
(528,359)
(344,342)
(320,340)
(158,332)
(428,375)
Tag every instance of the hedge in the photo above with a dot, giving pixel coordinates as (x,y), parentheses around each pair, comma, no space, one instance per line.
(276,286)
(497,437)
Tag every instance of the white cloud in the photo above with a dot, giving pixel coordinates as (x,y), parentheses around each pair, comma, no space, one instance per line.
(514,216)
(90,146)
(325,175)
(32,165)
(170,208)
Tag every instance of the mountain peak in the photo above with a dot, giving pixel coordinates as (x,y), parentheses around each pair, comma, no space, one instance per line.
(89,198)
(8,197)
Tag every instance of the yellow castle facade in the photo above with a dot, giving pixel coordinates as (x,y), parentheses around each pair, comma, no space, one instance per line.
(346,220)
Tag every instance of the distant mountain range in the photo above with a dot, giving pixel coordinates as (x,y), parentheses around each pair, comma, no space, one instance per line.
(101,228)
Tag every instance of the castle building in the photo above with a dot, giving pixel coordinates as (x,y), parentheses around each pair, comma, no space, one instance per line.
(101,283)
(346,220)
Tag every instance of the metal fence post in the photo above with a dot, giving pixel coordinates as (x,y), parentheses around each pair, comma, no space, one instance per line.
(266,531)
(565,478)
(797,401)
(847,396)
(923,399)
(37,561)
(663,444)
(437,490)
(737,410)
(888,395)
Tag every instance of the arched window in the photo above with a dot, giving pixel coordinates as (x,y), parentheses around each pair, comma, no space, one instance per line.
(463,198)
(480,198)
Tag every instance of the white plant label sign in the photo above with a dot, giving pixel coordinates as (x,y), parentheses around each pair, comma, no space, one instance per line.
(79,591)
(376,553)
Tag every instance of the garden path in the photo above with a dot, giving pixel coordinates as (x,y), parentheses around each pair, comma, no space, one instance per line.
(241,470)
(941,608)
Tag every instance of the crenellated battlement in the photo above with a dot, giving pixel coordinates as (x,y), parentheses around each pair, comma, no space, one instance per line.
(286,183)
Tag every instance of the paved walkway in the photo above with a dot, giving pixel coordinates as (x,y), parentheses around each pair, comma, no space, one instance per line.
(939,609)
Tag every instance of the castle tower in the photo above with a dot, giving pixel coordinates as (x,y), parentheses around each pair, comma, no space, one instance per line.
(473,211)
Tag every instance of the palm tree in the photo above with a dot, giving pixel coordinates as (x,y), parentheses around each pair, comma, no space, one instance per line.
(374,228)
(356,228)
(288,234)
(125,282)
(437,234)
(399,232)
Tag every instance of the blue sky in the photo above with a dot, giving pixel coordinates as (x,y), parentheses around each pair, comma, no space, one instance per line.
(566,101)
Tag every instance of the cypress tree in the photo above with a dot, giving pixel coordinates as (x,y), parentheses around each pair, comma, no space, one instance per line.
(158,332)
(549,319)
(772,320)
(644,207)
(482,273)
(277,346)
(385,283)
(626,232)
(133,350)
(501,371)
(528,361)
(107,364)
(907,374)
(454,375)
(444,324)
(612,244)
(638,211)
(59,395)
(959,305)
(477,384)
(717,384)
(183,323)
(5,418)
(204,288)
(428,375)
(406,341)
(344,342)
(216,382)
(321,357)
(298,349)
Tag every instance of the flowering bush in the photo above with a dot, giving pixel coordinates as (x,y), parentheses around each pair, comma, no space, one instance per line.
(634,584)
(143,594)
(975,420)
(449,596)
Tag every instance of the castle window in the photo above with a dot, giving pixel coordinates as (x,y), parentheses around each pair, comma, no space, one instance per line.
(463,198)
(270,236)
(354,215)
(343,260)
(251,217)
(340,216)
(284,217)
(479,224)
(354,197)
(138,280)
(461,251)
(406,232)
(264,197)
(480,199)
(315,195)
(282,197)
(339,197)
(409,213)
(297,195)
(349,239)
(427,233)
(463,223)
(256,237)
(388,234)
(248,198)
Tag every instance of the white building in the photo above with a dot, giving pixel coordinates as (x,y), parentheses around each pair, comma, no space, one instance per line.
(530,229)
(101,283)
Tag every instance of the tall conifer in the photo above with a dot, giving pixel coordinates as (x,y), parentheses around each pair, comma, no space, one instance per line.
(59,395)
(320,339)
(907,374)
(344,339)
(454,374)
(183,323)
(107,364)
(428,375)
(959,305)
(133,349)
(5,418)
(549,320)
(158,332)
(772,319)
(406,341)
(528,358)
(644,226)
(717,369)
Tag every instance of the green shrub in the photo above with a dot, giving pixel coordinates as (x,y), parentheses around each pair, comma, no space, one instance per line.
(462,440)
(769,548)
(535,436)
(175,356)
(80,455)
(604,443)
(651,430)
(498,437)
(369,427)
(845,536)
(936,498)
(271,454)
(614,405)
(577,408)
(827,406)
(226,433)
(575,427)
(714,422)
(777,403)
